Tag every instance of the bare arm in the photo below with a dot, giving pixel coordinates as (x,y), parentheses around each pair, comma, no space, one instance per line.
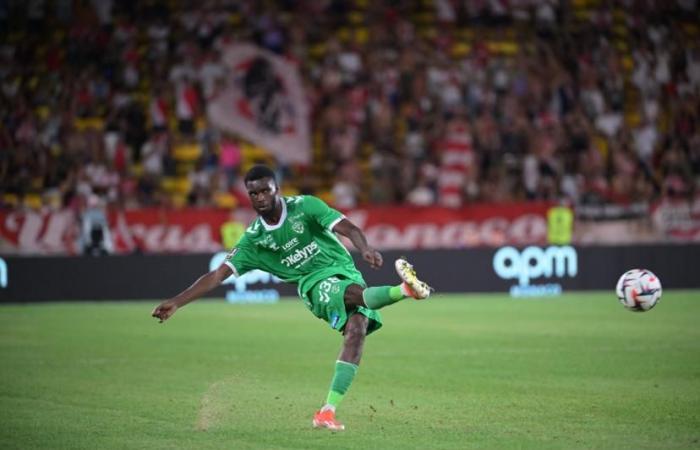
(204,284)
(358,239)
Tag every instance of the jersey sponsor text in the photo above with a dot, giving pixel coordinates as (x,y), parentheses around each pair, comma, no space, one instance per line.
(302,254)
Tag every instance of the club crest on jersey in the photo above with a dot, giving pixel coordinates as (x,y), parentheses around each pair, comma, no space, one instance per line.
(298,227)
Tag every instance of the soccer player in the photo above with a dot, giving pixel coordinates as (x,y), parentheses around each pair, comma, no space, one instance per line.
(294,239)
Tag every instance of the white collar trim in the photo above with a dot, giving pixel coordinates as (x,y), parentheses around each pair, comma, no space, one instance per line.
(283,217)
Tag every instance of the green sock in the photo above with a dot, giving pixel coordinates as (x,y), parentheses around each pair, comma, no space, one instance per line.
(381,296)
(342,378)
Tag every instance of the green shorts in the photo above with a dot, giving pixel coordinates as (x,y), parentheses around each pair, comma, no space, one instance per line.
(325,300)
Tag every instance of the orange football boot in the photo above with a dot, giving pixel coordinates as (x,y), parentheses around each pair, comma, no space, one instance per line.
(326,419)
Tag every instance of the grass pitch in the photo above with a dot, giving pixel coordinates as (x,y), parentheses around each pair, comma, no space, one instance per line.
(454,372)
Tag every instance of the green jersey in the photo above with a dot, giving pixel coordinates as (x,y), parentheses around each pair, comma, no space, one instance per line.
(301,248)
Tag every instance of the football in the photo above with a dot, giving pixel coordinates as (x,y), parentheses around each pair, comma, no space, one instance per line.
(638,290)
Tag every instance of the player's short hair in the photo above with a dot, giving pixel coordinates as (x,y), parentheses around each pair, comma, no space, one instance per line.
(258,172)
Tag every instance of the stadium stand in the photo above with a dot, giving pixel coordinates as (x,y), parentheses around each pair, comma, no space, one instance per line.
(421,102)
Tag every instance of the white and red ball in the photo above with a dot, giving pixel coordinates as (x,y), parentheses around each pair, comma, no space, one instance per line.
(638,290)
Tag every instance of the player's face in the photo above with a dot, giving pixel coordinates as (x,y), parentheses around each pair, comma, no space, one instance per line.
(263,194)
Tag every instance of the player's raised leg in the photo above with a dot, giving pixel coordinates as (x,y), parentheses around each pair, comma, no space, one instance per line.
(411,286)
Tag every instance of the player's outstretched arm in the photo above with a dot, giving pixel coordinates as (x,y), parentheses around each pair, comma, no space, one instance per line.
(204,284)
(358,239)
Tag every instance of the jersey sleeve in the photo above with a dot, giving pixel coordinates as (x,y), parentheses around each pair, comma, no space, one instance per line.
(242,258)
(317,209)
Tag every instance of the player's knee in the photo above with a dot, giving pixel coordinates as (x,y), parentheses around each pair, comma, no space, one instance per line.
(353,296)
(356,329)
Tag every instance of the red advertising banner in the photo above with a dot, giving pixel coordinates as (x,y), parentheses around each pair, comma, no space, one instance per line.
(678,220)
(153,230)
(34,232)
(141,230)
(471,226)
(168,231)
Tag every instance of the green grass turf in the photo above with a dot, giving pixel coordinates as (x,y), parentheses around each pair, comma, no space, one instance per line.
(454,372)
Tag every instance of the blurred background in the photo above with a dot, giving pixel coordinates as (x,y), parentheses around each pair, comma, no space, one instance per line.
(436,125)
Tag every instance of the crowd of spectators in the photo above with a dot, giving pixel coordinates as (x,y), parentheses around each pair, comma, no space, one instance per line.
(420,102)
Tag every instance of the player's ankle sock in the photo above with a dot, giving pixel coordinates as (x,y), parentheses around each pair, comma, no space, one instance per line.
(380,296)
(342,378)
(398,292)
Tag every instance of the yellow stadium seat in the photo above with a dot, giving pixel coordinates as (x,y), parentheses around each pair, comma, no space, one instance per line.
(225,200)
(466,34)
(33,82)
(184,168)
(582,14)
(178,200)
(141,97)
(627,63)
(326,196)
(42,112)
(289,191)
(691,29)
(10,199)
(619,14)
(356,17)
(365,167)
(145,85)
(33,201)
(318,137)
(168,184)
(621,46)
(367,149)
(343,34)
(317,51)
(426,17)
(176,185)
(361,35)
(500,48)
(251,152)
(620,30)
(94,123)
(427,32)
(633,118)
(187,152)
(509,48)
(136,169)
(234,19)
(183,185)
(460,49)
(601,144)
